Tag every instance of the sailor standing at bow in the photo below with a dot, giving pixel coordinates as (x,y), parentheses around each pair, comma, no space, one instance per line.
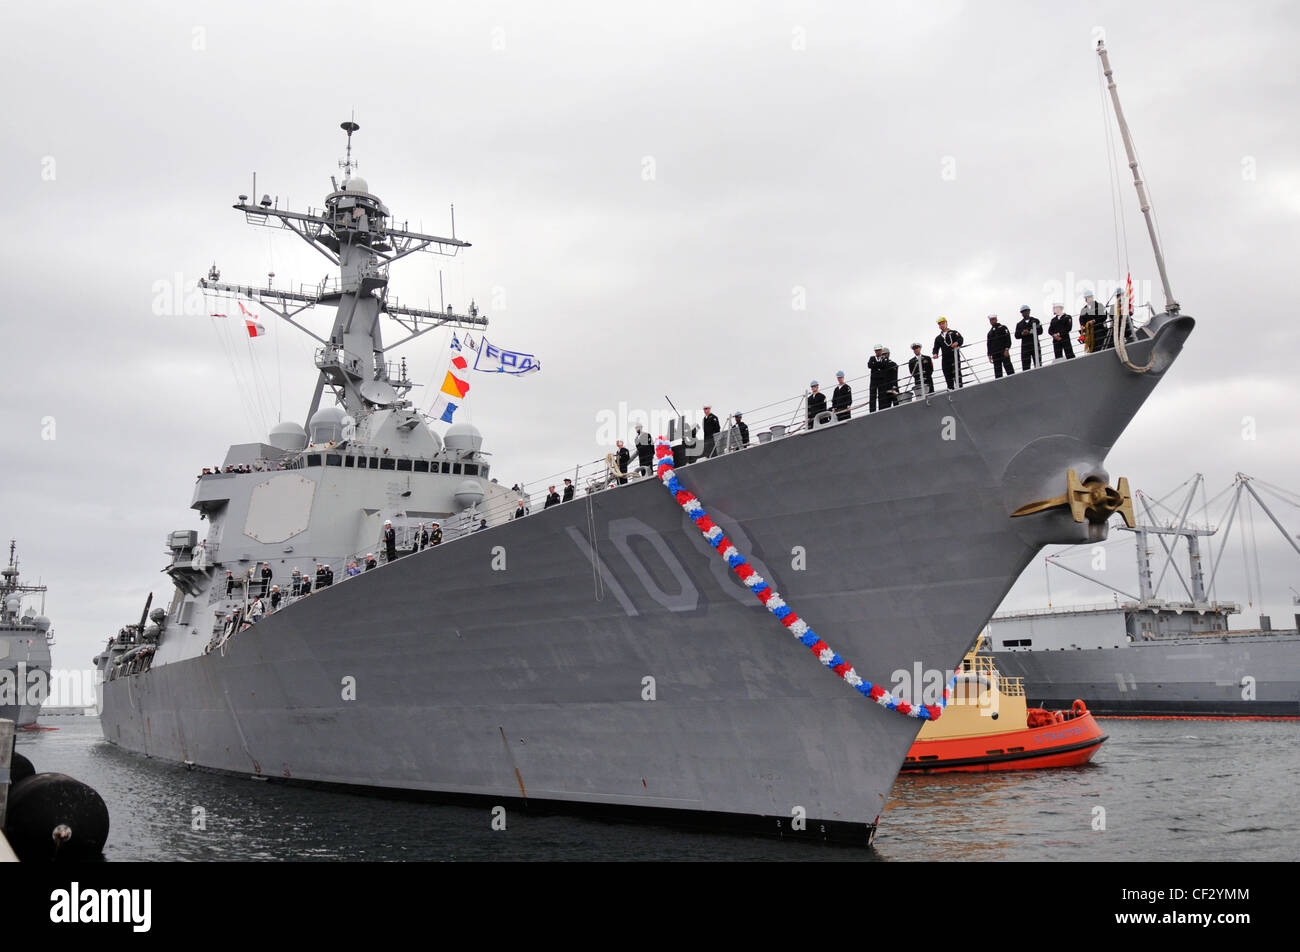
(1092,323)
(888,381)
(711,429)
(390,542)
(1059,328)
(644,451)
(1027,330)
(999,346)
(842,397)
(873,386)
(948,343)
(816,403)
(741,430)
(921,368)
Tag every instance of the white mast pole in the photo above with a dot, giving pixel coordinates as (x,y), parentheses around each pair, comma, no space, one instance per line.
(1171,305)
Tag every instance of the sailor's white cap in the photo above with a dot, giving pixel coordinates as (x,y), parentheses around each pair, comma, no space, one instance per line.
(993,317)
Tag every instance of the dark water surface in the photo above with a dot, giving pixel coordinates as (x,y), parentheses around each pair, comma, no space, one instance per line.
(1170,790)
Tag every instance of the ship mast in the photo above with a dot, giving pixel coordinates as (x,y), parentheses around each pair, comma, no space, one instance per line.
(353,232)
(1171,306)
(10,585)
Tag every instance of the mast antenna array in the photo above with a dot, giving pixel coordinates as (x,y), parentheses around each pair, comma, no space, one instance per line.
(356,233)
(347,165)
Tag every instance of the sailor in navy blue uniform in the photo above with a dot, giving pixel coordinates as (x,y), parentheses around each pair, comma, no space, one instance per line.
(999,341)
(816,403)
(948,343)
(1059,327)
(1027,331)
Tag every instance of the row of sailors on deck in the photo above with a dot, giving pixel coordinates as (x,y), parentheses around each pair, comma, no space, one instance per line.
(267,598)
(261,466)
(258,580)
(1096,332)
(422,539)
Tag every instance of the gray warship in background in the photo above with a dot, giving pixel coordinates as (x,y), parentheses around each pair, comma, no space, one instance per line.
(597,655)
(25,641)
(1152,656)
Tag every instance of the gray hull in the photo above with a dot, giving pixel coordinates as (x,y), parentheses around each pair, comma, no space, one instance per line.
(528,681)
(1236,676)
(24,675)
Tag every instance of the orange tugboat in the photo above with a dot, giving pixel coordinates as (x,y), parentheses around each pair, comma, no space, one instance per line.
(988,726)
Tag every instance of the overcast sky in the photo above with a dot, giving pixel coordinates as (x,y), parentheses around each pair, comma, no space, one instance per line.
(713,202)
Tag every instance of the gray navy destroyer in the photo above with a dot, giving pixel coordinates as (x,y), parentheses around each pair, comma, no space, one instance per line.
(1148,656)
(25,640)
(594,655)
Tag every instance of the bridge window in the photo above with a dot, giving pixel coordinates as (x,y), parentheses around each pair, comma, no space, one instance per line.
(404,465)
(348,462)
(387,462)
(374,462)
(421,465)
(455,469)
(333,459)
(471,469)
(446,467)
(313,459)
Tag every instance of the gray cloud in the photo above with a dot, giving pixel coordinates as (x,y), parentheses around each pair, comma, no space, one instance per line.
(776,168)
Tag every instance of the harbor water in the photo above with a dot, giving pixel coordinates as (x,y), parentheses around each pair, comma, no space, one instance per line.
(1158,790)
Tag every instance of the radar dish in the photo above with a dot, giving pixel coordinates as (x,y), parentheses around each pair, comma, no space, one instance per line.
(379,393)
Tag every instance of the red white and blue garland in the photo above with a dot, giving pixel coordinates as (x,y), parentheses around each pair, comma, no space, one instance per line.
(777,606)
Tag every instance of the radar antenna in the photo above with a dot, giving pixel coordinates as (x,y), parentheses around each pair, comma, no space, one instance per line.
(355,232)
(347,165)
